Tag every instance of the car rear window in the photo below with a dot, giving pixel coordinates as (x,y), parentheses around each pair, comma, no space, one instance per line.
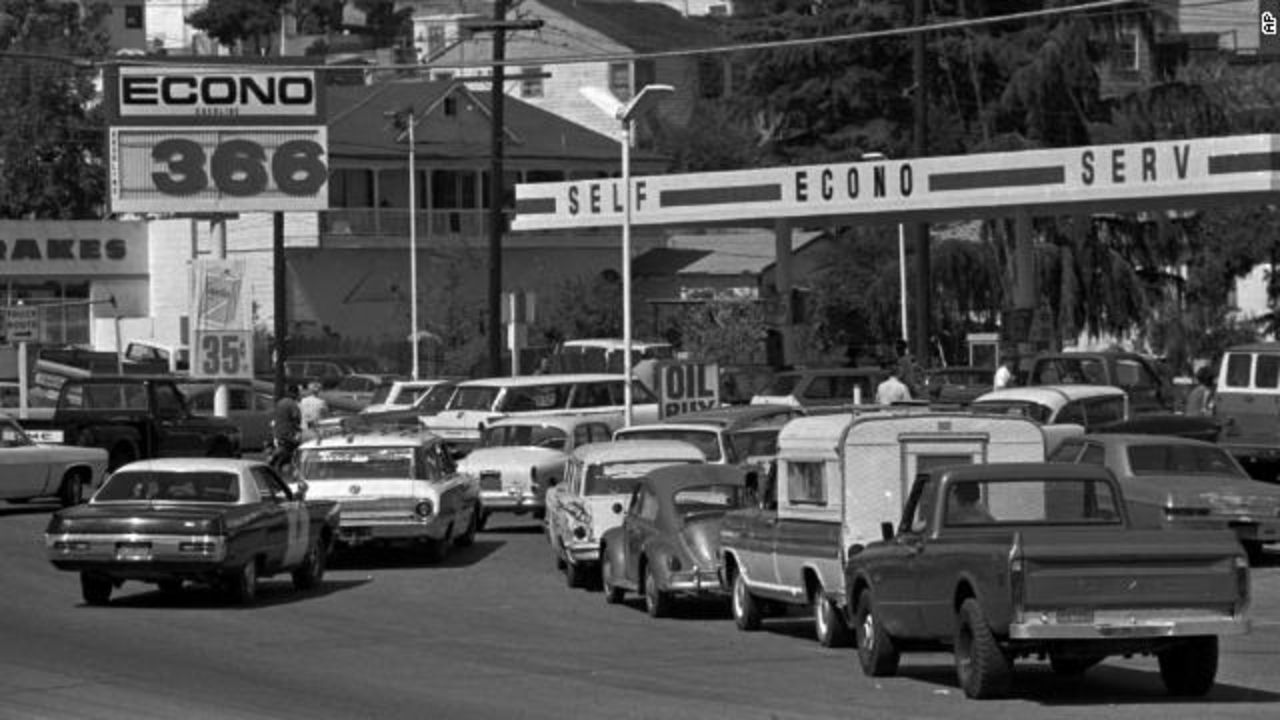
(705,440)
(620,478)
(473,398)
(356,463)
(782,385)
(1181,460)
(703,499)
(212,486)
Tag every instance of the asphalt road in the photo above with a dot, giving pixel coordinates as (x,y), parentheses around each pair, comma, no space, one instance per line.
(494,633)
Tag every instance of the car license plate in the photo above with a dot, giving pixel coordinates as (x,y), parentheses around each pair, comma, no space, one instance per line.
(133,552)
(1075,615)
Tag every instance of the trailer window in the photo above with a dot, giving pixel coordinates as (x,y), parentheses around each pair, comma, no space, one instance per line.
(806,484)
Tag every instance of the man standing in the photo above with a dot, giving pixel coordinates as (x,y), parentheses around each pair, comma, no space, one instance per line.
(313,408)
(1200,399)
(286,428)
(892,390)
(1004,373)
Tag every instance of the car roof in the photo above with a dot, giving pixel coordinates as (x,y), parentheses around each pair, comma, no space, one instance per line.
(675,477)
(1055,395)
(192,464)
(374,438)
(564,422)
(730,416)
(526,380)
(1143,438)
(655,450)
(1256,347)
(1021,470)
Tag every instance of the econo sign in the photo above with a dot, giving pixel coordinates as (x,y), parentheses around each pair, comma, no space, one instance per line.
(216,139)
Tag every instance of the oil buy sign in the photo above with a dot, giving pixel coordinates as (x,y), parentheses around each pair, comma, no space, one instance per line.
(687,386)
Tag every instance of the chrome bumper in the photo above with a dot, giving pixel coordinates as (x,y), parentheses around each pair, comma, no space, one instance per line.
(136,549)
(1121,626)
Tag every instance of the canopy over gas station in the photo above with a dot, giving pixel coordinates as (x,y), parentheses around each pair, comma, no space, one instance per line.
(1101,178)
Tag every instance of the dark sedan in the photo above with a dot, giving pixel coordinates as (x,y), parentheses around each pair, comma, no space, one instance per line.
(669,542)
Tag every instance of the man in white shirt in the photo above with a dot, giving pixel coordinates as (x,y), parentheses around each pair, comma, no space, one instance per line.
(313,408)
(892,389)
(1004,374)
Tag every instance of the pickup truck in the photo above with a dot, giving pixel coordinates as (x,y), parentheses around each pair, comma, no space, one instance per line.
(133,417)
(1146,387)
(838,477)
(1012,560)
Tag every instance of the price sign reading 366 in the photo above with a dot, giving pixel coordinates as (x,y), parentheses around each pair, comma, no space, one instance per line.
(223,354)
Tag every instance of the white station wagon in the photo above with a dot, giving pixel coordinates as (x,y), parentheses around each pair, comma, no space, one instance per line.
(393,487)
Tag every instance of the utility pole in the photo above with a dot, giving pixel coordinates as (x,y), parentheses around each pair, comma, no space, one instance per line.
(497,219)
(920,148)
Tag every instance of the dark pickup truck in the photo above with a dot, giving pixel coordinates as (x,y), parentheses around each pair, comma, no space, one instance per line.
(1147,389)
(1012,560)
(134,417)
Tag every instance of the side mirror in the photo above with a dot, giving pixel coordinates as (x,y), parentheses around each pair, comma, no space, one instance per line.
(617,508)
(886,530)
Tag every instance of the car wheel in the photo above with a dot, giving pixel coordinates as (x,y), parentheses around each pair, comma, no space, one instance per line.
(981,665)
(612,593)
(877,654)
(243,584)
(468,538)
(72,490)
(827,623)
(575,575)
(746,612)
(95,589)
(1071,665)
(1189,668)
(311,571)
(656,601)
(170,586)
(484,520)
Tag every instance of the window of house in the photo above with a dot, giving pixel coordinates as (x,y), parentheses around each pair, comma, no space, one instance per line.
(133,17)
(806,484)
(531,87)
(435,39)
(1125,56)
(453,189)
(620,81)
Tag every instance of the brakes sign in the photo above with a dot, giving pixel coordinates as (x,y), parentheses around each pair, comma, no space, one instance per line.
(687,386)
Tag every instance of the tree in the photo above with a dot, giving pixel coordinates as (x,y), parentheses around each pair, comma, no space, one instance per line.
(51,131)
(248,24)
(724,331)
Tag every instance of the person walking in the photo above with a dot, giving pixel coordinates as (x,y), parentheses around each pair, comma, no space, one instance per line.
(313,408)
(1200,399)
(286,429)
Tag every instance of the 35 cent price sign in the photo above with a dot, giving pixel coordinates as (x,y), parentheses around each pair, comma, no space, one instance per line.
(223,354)
(216,139)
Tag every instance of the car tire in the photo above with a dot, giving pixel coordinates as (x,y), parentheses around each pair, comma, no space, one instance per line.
(72,490)
(311,571)
(95,589)
(1189,668)
(829,627)
(1071,665)
(243,583)
(746,611)
(877,653)
(612,593)
(657,602)
(483,521)
(982,668)
(468,538)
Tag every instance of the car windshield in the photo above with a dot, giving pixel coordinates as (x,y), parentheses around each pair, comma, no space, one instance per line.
(620,478)
(1030,501)
(205,486)
(705,440)
(433,399)
(382,392)
(1021,408)
(348,463)
(706,499)
(525,436)
(754,443)
(535,397)
(473,398)
(1182,460)
(783,384)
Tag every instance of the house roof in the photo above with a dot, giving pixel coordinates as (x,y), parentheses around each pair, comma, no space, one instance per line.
(641,26)
(716,252)
(359,126)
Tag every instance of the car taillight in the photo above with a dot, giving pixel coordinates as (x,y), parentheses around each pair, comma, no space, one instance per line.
(71,546)
(424,508)
(1243,594)
(198,547)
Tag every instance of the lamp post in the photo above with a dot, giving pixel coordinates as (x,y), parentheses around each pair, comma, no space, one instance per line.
(406,117)
(645,100)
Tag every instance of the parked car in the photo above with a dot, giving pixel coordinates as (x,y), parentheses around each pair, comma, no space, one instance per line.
(1247,404)
(518,459)
(250,405)
(404,394)
(476,403)
(668,545)
(719,432)
(1010,560)
(958,385)
(598,482)
(31,470)
(1137,375)
(328,369)
(1098,408)
(1178,482)
(823,389)
(428,403)
(217,521)
(353,393)
(393,488)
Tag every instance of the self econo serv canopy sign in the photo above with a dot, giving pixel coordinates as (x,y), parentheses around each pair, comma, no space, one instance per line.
(216,139)
(1100,178)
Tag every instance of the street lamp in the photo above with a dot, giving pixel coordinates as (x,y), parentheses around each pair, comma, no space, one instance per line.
(406,117)
(644,101)
(902,258)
